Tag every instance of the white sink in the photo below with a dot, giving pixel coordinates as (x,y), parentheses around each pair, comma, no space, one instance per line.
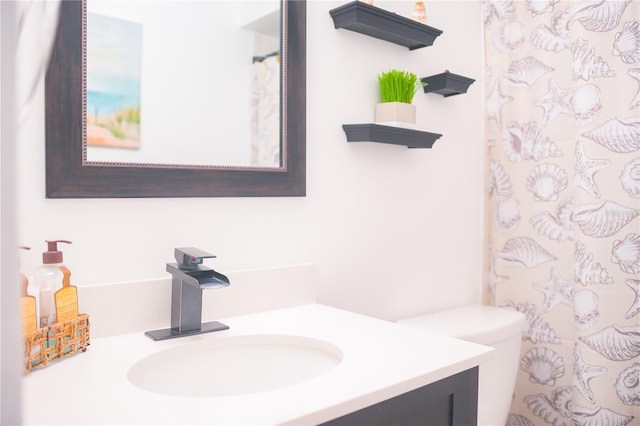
(234,365)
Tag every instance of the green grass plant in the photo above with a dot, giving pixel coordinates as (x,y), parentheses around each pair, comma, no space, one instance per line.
(398,86)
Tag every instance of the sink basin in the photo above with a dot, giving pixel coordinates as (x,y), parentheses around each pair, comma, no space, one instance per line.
(234,365)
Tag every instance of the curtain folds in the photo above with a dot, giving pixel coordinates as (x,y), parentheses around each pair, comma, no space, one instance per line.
(563,128)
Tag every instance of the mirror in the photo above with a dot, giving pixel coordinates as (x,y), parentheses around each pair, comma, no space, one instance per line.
(73,172)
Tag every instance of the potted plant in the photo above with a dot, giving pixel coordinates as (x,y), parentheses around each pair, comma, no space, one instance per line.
(397,89)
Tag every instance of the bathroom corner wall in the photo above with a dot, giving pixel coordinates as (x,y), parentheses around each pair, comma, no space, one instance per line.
(392,231)
(401,229)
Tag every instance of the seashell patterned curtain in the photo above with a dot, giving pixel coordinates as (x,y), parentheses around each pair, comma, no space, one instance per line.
(563,132)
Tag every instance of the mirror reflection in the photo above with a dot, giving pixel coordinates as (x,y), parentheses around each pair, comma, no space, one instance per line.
(194,83)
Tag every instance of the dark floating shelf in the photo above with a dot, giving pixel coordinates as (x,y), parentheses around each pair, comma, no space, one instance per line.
(447,84)
(379,23)
(389,134)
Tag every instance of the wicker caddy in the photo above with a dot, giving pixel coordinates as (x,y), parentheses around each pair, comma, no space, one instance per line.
(56,341)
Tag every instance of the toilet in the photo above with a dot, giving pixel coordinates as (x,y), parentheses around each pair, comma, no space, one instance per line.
(499,328)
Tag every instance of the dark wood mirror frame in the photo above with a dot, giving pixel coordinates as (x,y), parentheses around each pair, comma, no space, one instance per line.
(68,175)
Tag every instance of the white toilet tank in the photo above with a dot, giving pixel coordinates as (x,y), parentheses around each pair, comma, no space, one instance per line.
(499,328)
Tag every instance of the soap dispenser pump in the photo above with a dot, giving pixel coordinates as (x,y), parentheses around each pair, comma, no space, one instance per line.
(47,279)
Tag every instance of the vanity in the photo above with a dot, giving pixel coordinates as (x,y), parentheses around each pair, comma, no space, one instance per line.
(362,370)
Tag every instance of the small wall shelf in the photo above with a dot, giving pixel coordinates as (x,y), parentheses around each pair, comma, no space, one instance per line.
(379,23)
(447,84)
(370,132)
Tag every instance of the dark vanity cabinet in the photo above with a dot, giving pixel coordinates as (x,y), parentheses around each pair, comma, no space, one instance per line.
(452,401)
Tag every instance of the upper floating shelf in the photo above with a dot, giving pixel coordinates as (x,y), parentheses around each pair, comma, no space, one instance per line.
(376,22)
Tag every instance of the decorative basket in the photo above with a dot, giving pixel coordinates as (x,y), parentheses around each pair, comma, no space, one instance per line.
(56,341)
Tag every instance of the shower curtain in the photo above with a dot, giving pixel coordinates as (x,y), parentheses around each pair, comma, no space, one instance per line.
(563,134)
(265,112)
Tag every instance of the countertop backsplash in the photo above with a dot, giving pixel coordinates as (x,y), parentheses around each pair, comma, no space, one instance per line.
(126,307)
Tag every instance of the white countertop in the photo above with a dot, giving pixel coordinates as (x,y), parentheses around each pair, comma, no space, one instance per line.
(380,360)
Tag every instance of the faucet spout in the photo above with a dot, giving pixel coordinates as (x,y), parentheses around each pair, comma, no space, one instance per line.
(201,277)
(189,278)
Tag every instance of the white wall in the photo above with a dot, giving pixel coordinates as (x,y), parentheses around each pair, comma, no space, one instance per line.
(10,386)
(392,231)
(399,231)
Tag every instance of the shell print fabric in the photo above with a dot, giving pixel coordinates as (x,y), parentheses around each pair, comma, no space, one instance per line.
(587,271)
(594,15)
(586,64)
(630,178)
(518,420)
(507,214)
(585,169)
(543,365)
(585,309)
(635,307)
(598,220)
(495,279)
(546,181)
(499,181)
(583,103)
(556,290)
(524,252)
(526,142)
(499,9)
(603,219)
(598,416)
(544,38)
(563,144)
(615,343)
(583,373)
(619,134)
(556,226)
(555,410)
(600,15)
(526,71)
(627,43)
(635,74)
(628,385)
(509,38)
(495,103)
(538,7)
(626,253)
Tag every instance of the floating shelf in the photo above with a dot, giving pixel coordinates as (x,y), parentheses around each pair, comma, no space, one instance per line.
(389,134)
(447,84)
(379,23)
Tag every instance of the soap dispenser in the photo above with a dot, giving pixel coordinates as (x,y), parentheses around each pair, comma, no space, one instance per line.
(28,301)
(47,279)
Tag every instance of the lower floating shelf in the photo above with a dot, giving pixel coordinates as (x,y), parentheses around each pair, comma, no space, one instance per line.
(389,134)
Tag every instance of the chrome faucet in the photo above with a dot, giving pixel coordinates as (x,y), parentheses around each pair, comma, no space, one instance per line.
(189,278)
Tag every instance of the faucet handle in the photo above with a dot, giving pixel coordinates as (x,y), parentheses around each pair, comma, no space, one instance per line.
(190,257)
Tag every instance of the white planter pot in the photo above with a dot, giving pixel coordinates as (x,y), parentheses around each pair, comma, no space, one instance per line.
(396,113)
